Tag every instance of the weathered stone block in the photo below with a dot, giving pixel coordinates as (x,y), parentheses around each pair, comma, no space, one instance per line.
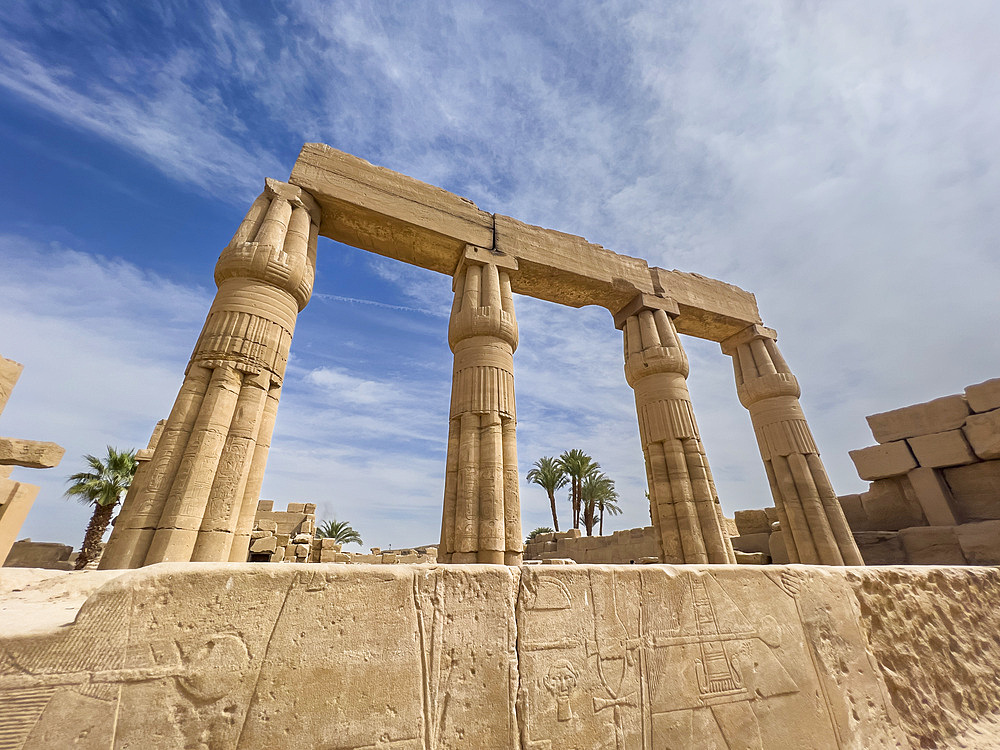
(752,558)
(752,522)
(932,545)
(327,543)
(772,513)
(264,544)
(296,508)
(984,396)
(265,506)
(31,454)
(301,550)
(976,490)
(883,461)
(983,433)
(939,415)
(891,505)
(942,449)
(268,525)
(980,542)
(880,547)
(16,499)
(309,508)
(10,371)
(934,496)
(758,542)
(854,512)
(260,534)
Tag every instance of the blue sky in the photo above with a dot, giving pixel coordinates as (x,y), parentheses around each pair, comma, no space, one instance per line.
(838,160)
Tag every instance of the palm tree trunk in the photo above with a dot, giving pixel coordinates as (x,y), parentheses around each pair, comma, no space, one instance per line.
(95,532)
(600,531)
(552,502)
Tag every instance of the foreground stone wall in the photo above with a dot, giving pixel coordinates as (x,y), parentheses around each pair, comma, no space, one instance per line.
(421,657)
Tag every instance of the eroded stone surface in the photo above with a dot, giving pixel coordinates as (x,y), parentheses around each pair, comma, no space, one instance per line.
(426,657)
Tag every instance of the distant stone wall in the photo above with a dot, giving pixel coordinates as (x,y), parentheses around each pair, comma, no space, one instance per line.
(25,553)
(629,546)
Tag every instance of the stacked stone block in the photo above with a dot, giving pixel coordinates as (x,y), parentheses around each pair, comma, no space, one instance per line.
(934,496)
(623,547)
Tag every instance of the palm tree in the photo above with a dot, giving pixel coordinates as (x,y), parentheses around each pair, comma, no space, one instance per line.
(597,493)
(610,505)
(577,465)
(550,476)
(340,531)
(103,486)
(535,532)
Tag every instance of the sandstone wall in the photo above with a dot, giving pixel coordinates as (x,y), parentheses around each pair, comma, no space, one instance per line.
(25,553)
(623,547)
(420,657)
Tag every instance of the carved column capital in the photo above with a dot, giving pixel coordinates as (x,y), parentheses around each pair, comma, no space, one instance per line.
(761,371)
(484,303)
(650,338)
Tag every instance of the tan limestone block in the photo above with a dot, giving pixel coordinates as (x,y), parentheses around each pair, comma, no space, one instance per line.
(942,449)
(975,489)
(752,522)
(934,496)
(265,506)
(264,544)
(309,508)
(932,545)
(758,542)
(983,433)
(891,505)
(939,415)
(10,371)
(30,454)
(776,548)
(296,508)
(854,512)
(268,525)
(980,542)
(752,558)
(882,461)
(16,499)
(881,547)
(984,396)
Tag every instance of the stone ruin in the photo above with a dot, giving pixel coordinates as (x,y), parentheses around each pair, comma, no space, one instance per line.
(694,653)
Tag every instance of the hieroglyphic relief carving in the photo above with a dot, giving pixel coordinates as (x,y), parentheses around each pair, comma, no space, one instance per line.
(674,658)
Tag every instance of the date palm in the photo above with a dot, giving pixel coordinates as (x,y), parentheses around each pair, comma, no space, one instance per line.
(597,495)
(550,476)
(103,486)
(535,532)
(578,466)
(340,531)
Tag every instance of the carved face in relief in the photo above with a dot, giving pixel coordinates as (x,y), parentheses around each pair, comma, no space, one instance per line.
(561,679)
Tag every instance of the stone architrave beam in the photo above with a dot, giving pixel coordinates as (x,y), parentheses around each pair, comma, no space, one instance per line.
(388,213)
(16,498)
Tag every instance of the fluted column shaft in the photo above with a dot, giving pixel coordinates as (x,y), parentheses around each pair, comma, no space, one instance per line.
(481,520)
(816,531)
(199,495)
(683,502)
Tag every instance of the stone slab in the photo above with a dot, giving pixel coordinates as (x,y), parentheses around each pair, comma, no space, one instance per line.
(753,542)
(934,496)
(555,657)
(980,542)
(976,490)
(880,547)
(883,461)
(942,449)
(752,522)
(932,545)
(25,553)
(939,415)
(854,512)
(16,499)
(891,505)
(777,548)
(31,454)
(984,396)
(10,371)
(983,434)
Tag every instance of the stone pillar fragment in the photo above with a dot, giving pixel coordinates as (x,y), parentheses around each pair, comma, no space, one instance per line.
(683,502)
(198,496)
(816,531)
(481,520)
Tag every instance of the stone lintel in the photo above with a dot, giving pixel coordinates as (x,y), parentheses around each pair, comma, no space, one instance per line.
(747,335)
(645,302)
(30,454)
(388,213)
(10,371)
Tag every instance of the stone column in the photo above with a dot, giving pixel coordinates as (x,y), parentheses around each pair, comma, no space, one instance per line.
(816,531)
(204,478)
(682,499)
(481,522)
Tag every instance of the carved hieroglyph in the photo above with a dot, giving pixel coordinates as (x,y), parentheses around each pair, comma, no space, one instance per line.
(16,498)
(197,498)
(481,521)
(575,657)
(683,502)
(810,514)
